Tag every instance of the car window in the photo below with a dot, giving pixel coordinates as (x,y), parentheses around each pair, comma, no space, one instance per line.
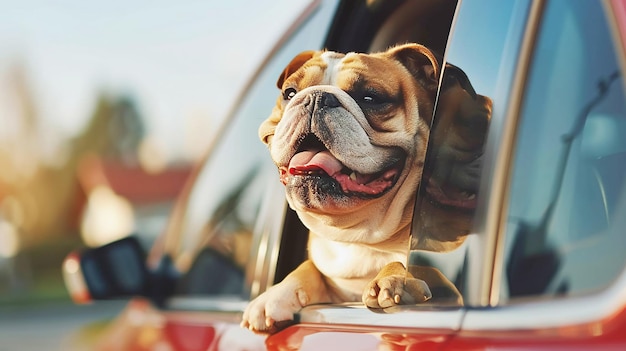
(212,246)
(566,228)
(474,91)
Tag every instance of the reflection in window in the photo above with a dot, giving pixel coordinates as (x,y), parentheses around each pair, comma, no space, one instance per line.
(447,200)
(565,229)
(225,238)
(451,179)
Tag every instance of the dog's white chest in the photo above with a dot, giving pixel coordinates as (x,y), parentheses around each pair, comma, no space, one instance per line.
(348,260)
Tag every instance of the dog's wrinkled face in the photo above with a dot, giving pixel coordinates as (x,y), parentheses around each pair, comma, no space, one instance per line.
(349,133)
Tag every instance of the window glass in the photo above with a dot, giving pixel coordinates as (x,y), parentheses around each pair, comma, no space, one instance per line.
(215,238)
(473,94)
(566,228)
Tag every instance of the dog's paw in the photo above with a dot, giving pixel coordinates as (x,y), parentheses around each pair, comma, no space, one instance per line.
(391,290)
(274,309)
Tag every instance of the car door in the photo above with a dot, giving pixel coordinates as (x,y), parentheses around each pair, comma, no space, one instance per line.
(554,220)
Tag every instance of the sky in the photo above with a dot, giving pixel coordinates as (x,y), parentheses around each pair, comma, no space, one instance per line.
(183,62)
(483,69)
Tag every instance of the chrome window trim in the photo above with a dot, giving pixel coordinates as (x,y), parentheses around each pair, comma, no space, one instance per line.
(424,317)
(571,311)
(495,223)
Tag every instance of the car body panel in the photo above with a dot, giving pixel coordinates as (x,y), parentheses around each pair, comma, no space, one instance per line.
(347,337)
(605,334)
(141,326)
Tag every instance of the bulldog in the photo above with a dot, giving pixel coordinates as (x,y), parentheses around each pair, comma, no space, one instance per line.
(348,135)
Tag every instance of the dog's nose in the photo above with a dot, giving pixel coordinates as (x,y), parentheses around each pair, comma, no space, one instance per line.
(328,100)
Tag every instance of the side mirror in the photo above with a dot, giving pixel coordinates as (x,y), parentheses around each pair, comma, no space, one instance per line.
(115,270)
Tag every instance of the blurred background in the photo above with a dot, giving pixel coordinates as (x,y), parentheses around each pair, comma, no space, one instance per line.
(104,108)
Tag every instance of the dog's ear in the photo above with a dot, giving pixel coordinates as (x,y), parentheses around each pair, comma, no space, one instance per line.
(293,66)
(419,61)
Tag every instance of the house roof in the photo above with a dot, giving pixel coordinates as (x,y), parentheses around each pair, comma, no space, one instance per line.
(131,181)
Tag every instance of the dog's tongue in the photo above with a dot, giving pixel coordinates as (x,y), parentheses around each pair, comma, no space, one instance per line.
(311,161)
(307,161)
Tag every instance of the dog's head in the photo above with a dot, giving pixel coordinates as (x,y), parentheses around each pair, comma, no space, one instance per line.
(349,134)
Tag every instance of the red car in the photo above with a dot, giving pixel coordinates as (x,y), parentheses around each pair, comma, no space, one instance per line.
(543,267)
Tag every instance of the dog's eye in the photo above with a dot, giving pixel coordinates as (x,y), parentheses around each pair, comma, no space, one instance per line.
(373,98)
(289,93)
(369,99)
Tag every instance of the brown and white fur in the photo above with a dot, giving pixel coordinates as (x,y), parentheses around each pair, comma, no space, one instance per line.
(348,135)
